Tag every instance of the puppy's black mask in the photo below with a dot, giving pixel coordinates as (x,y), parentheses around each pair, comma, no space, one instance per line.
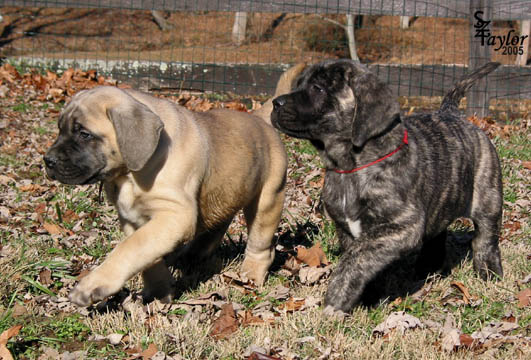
(336,100)
(75,158)
(312,109)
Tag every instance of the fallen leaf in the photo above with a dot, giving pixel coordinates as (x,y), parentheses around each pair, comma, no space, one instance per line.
(466,340)
(33,188)
(524,298)
(292,265)
(4,338)
(280,292)
(70,216)
(451,340)
(461,287)
(149,352)
(311,275)
(53,229)
(234,279)
(249,319)
(313,256)
(225,324)
(259,356)
(204,299)
(19,310)
(421,294)
(397,320)
(45,277)
(236,105)
(494,331)
(293,304)
(451,336)
(114,339)
(527,164)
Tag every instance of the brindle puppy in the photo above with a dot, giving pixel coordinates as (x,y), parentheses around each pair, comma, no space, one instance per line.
(393,183)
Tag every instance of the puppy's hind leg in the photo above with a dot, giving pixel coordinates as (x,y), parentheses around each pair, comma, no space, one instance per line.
(262,217)
(199,249)
(158,283)
(486,213)
(487,259)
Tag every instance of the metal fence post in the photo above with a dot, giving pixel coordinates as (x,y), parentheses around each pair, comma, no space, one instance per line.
(477,98)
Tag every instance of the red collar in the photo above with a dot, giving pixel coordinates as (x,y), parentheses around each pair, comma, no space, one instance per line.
(404,142)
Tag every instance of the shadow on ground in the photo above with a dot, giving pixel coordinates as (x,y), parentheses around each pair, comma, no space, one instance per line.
(400,279)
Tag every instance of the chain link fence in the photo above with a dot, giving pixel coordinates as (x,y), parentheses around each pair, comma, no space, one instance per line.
(419,47)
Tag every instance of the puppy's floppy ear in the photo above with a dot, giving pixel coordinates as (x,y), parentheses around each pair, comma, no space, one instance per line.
(137,132)
(376,107)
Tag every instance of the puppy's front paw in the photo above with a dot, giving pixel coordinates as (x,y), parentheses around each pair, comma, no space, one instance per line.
(93,288)
(330,311)
(255,270)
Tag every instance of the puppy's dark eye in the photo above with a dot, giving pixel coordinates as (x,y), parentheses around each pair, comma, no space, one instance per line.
(317,88)
(85,135)
(82,133)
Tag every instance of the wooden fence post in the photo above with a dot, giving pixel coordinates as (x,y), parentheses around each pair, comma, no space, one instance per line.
(525,29)
(239,27)
(477,98)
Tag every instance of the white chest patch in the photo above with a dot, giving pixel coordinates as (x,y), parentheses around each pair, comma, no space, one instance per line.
(125,204)
(355,227)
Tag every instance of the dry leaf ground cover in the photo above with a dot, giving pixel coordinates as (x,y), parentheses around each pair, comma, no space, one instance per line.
(51,234)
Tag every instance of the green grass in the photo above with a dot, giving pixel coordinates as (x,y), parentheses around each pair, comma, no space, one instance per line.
(22,107)
(9,160)
(518,146)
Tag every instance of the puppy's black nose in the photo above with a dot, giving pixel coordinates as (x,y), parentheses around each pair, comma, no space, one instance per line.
(279,102)
(50,161)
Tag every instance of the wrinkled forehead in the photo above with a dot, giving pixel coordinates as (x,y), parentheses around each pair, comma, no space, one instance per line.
(75,109)
(69,114)
(332,74)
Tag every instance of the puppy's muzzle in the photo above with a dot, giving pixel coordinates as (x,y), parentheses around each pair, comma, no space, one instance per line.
(50,161)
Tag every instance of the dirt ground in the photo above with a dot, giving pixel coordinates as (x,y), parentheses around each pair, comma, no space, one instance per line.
(205,37)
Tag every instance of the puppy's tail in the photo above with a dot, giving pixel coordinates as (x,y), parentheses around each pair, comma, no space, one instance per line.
(452,99)
(284,86)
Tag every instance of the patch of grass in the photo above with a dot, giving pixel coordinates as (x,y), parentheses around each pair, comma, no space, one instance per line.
(77,201)
(473,319)
(99,249)
(9,160)
(41,130)
(300,146)
(217,96)
(329,242)
(22,108)
(57,332)
(518,146)
(105,351)
(509,195)
(69,328)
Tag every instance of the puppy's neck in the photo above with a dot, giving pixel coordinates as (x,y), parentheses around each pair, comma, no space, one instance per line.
(339,153)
